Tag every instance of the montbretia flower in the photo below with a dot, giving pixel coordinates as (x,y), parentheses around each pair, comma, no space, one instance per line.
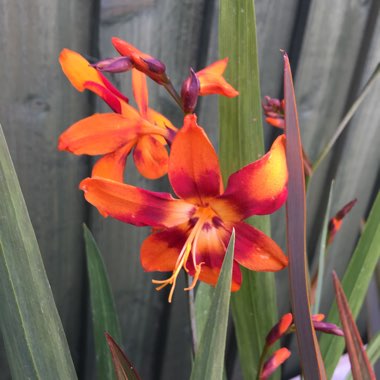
(114,135)
(192,232)
(211,80)
(150,66)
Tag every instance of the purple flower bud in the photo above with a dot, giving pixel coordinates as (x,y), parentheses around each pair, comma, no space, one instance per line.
(329,328)
(155,65)
(114,65)
(189,92)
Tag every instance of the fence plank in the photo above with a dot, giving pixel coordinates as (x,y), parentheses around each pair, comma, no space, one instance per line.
(36,106)
(156,334)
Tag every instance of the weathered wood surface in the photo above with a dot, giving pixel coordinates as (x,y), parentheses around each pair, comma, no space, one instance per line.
(335,48)
(36,105)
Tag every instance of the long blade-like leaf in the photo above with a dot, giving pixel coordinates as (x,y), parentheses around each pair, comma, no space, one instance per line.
(360,365)
(34,340)
(209,359)
(124,369)
(355,283)
(311,361)
(254,307)
(322,253)
(104,316)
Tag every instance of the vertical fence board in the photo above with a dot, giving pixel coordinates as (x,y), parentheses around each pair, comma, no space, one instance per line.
(156,334)
(37,104)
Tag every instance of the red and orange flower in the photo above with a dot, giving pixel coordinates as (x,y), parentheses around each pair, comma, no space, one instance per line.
(192,232)
(114,135)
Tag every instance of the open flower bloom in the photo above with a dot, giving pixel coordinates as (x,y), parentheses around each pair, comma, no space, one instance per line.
(212,81)
(114,135)
(150,66)
(193,232)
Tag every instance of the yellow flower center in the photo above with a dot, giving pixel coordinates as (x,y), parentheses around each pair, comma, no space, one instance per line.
(203,216)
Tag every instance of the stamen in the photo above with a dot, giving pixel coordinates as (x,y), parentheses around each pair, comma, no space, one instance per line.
(189,247)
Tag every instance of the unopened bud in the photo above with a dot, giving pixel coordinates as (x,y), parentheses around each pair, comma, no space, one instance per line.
(189,92)
(274,110)
(279,329)
(274,362)
(336,222)
(155,65)
(113,65)
(328,328)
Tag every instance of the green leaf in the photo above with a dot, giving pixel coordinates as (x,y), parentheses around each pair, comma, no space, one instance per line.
(311,360)
(360,365)
(124,369)
(34,340)
(202,305)
(254,306)
(104,316)
(209,359)
(355,283)
(322,252)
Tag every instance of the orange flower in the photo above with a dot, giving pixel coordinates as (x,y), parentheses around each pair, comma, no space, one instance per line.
(114,135)
(150,66)
(193,232)
(212,81)
(274,362)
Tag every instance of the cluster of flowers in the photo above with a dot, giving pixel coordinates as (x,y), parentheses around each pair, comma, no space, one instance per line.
(190,232)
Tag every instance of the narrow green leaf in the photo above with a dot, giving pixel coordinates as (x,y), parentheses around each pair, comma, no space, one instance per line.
(209,359)
(360,365)
(104,316)
(124,369)
(254,306)
(34,340)
(202,305)
(311,360)
(322,252)
(355,283)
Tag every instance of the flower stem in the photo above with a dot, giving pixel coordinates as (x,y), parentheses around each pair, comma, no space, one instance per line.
(173,93)
(261,361)
(342,125)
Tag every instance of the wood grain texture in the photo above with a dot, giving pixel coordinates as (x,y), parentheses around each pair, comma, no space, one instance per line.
(37,103)
(156,334)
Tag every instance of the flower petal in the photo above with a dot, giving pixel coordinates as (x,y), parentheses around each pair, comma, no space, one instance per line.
(160,251)
(194,171)
(151,157)
(134,205)
(112,165)
(256,251)
(211,275)
(105,94)
(212,81)
(260,187)
(78,69)
(99,134)
(140,91)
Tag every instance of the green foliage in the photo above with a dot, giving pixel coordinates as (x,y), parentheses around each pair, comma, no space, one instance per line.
(34,340)
(209,359)
(355,283)
(104,316)
(254,307)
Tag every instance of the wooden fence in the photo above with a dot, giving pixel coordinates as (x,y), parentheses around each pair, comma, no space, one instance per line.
(333,47)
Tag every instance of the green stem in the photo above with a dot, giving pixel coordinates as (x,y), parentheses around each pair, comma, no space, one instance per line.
(173,93)
(367,87)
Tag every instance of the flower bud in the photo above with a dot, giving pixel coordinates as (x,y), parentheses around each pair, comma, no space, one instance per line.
(274,110)
(274,362)
(279,329)
(189,92)
(113,65)
(336,222)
